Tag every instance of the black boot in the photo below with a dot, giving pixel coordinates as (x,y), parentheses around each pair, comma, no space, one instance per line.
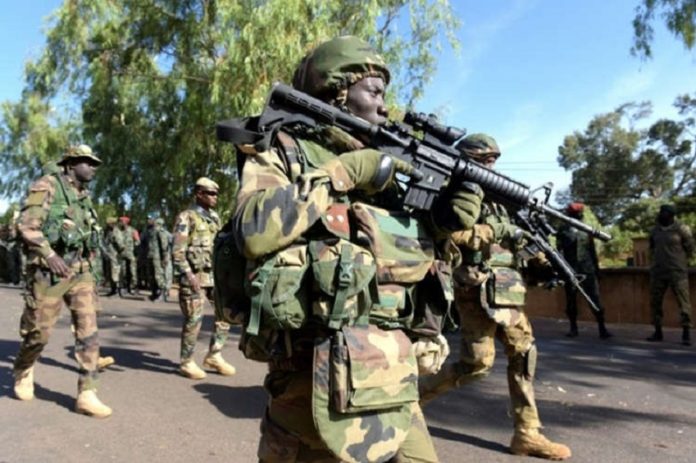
(656,336)
(686,336)
(120,293)
(573,333)
(603,331)
(113,291)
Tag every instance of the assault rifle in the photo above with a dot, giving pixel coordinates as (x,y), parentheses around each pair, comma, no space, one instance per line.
(439,165)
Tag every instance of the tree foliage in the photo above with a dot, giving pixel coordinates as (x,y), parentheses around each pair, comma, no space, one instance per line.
(144,82)
(616,165)
(679,17)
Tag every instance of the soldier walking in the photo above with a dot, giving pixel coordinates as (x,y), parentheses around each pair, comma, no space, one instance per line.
(671,247)
(338,270)
(57,226)
(490,295)
(192,256)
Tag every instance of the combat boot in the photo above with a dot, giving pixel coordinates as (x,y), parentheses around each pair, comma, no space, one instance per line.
(656,336)
(219,364)
(686,336)
(191,370)
(573,333)
(604,332)
(24,384)
(531,442)
(113,291)
(105,362)
(89,404)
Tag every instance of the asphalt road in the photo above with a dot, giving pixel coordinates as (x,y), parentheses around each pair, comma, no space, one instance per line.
(622,400)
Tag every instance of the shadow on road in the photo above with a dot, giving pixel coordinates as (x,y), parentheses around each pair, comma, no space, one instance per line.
(64,400)
(235,402)
(448,434)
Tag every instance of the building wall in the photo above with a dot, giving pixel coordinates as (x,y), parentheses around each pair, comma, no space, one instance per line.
(624,292)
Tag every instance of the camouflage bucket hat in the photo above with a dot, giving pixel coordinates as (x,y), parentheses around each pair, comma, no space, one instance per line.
(479,146)
(336,65)
(79,152)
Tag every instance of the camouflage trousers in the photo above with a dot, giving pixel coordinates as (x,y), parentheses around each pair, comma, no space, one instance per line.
(114,270)
(191,305)
(157,277)
(477,355)
(288,433)
(129,271)
(680,287)
(43,301)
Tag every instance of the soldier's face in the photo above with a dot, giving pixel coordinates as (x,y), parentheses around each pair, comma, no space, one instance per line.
(207,198)
(365,99)
(489,161)
(84,170)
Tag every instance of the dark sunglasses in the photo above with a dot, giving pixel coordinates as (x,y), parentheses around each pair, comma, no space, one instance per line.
(210,193)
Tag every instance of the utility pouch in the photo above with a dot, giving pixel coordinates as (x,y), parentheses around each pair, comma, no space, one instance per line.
(275,289)
(505,286)
(365,378)
(342,274)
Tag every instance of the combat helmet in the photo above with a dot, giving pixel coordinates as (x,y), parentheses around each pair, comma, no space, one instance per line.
(479,146)
(79,152)
(327,71)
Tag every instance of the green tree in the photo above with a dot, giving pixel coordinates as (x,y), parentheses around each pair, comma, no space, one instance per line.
(679,17)
(611,169)
(144,82)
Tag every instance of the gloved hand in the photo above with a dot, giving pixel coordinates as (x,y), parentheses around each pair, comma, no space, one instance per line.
(508,231)
(367,170)
(431,354)
(460,209)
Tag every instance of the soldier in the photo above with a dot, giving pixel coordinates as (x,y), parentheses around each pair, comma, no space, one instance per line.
(57,225)
(113,247)
(335,273)
(578,249)
(194,234)
(489,296)
(157,256)
(129,266)
(671,247)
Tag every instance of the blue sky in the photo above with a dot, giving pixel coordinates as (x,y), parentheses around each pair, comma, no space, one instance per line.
(529,72)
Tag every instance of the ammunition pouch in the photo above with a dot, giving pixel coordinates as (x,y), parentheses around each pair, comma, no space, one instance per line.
(364,378)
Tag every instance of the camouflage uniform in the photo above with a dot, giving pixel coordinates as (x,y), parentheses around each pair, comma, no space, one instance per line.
(129,266)
(489,296)
(58,218)
(157,257)
(579,251)
(194,234)
(671,247)
(340,271)
(113,246)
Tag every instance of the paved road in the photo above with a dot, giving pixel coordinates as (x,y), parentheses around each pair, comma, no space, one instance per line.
(618,401)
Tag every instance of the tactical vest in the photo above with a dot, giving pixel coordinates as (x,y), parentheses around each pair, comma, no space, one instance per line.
(494,273)
(128,242)
(70,224)
(199,252)
(359,264)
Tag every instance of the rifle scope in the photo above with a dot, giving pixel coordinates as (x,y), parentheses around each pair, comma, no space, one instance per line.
(430,125)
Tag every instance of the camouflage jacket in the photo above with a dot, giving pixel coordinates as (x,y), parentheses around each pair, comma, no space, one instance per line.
(157,244)
(299,193)
(131,239)
(57,217)
(113,242)
(490,267)
(578,249)
(671,248)
(192,243)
